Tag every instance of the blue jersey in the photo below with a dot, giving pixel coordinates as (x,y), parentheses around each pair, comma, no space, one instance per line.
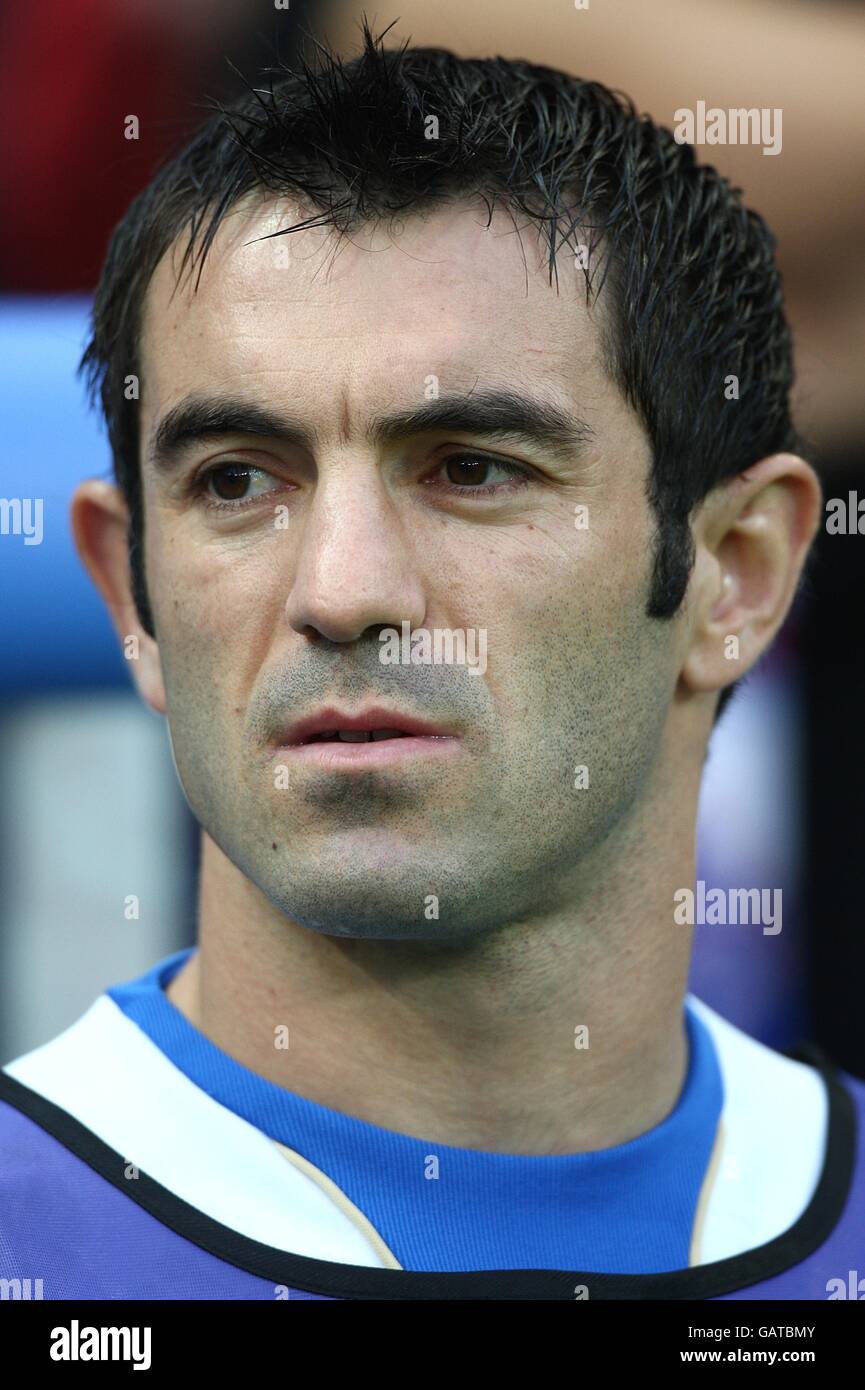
(139,1161)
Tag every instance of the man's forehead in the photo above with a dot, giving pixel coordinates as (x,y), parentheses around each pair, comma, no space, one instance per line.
(448,293)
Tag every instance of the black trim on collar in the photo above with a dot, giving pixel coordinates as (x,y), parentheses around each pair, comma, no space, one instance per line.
(345,1281)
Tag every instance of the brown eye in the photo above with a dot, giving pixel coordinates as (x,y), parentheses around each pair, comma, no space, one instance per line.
(469,475)
(468,469)
(231,486)
(230,482)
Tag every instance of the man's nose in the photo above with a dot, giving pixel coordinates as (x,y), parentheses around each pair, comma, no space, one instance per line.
(355,562)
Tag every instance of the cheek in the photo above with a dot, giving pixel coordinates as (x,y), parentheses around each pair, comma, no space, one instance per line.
(513,586)
(211,601)
(568,635)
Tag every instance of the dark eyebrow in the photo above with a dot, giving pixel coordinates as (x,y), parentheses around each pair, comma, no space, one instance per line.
(501,414)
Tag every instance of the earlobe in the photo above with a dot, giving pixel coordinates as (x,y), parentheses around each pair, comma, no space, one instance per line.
(148,677)
(719,647)
(100,519)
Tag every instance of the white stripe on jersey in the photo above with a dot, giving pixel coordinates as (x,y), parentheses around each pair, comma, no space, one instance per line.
(772,1142)
(107,1073)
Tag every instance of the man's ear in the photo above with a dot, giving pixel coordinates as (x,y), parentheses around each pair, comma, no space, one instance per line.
(752,535)
(100,521)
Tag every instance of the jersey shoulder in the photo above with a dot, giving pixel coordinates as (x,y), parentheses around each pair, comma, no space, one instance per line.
(795,1128)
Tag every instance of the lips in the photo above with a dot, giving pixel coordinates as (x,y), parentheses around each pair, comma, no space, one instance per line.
(356,735)
(374,725)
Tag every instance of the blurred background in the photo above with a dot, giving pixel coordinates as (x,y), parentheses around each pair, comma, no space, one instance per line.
(97,847)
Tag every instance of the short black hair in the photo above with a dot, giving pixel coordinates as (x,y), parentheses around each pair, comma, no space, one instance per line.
(694,296)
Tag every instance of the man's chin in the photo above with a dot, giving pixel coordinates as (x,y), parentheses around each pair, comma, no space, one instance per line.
(379,904)
(379,926)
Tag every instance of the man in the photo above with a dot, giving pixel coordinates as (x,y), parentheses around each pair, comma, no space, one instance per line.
(455,481)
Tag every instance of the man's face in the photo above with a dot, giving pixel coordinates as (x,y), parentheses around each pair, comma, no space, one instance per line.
(270,603)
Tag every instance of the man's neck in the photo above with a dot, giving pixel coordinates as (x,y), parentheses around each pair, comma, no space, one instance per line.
(546,1037)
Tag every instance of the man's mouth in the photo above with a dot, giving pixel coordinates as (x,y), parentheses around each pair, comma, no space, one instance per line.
(355,735)
(334,738)
(375,724)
